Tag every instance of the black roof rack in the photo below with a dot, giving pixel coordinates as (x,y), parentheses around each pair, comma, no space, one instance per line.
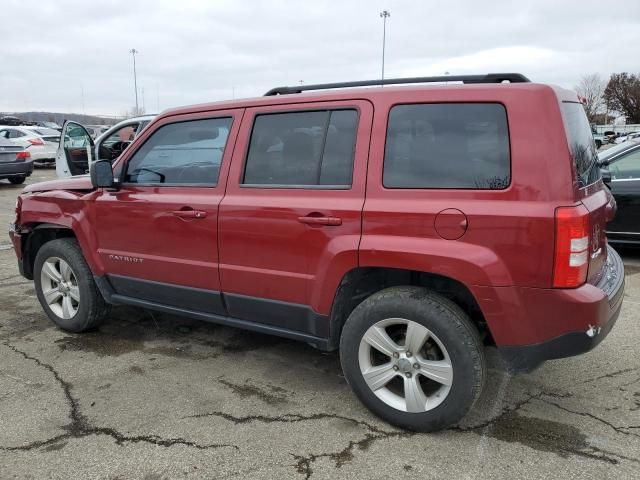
(487,78)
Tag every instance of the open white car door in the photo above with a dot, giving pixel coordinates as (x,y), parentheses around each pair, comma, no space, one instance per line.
(75,150)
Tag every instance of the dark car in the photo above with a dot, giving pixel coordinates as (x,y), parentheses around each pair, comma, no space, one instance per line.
(15,162)
(10,121)
(407,227)
(622,165)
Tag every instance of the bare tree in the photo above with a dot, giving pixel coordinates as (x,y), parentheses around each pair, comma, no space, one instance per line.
(591,92)
(623,94)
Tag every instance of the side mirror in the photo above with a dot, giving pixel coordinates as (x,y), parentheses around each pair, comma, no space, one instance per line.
(101,174)
(606,176)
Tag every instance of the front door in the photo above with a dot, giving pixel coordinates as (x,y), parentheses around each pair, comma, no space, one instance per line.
(74,150)
(158,233)
(290,221)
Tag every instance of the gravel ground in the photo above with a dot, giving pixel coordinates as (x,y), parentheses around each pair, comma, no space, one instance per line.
(153,396)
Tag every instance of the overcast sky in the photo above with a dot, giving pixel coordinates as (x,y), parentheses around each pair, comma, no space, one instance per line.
(198,51)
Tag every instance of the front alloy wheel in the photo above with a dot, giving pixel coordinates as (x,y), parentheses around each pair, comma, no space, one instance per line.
(60,287)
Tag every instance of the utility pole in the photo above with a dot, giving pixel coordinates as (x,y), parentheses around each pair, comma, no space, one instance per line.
(384,15)
(82,93)
(133,52)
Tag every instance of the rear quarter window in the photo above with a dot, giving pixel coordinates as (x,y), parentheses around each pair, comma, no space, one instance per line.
(582,147)
(447,145)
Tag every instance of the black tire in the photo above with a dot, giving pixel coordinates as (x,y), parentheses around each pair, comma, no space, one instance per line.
(453,328)
(17,180)
(92,308)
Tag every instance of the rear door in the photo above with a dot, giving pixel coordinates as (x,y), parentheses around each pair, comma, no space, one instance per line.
(74,150)
(290,222)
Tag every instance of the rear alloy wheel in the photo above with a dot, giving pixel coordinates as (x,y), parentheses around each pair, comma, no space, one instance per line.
(412,373)
(413,357)
(17,180)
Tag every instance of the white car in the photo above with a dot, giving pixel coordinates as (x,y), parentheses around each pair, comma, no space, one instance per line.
(630,136)
(77,149)
(40,142)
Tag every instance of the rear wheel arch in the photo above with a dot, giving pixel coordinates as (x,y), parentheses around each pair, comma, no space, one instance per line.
(360,283)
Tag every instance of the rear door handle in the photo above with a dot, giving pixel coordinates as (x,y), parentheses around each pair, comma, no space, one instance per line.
(190,213)
(329,221)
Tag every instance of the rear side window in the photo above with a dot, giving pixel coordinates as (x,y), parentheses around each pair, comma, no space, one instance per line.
(581,143)
(181,153)
(16,134)
(447,145)
(300,149)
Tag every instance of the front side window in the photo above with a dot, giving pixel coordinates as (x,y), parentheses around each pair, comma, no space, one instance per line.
(302,149)
(627,167)
(447,145)
(181,153)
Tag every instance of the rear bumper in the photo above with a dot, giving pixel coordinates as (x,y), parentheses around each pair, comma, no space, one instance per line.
(535,325)
(525,358)
(13,169)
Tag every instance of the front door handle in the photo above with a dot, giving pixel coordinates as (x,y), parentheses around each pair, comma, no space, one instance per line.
(190,213)
(329,221)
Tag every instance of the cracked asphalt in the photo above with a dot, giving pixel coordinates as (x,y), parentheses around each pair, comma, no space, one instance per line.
(152,396)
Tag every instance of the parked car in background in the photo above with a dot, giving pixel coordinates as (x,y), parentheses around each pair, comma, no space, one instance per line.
(621,168)
(10,120)
(15,162)
(41,142)
(51,125)
(409,227)
(77,149)
(627,136)
(96,130)
(598,138)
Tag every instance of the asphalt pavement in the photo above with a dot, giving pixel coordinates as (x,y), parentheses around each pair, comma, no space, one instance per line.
(152,396)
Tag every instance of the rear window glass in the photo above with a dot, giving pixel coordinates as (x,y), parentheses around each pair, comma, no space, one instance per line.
(447,145)
(581,144)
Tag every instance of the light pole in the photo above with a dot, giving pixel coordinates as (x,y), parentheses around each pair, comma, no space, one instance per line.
(133,52)
(384,15)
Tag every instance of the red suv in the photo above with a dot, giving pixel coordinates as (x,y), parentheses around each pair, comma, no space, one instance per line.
(409,227)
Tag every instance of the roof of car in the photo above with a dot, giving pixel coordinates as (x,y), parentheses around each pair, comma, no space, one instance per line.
(372,93)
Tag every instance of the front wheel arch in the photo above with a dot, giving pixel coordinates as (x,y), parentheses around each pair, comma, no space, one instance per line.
(39,235)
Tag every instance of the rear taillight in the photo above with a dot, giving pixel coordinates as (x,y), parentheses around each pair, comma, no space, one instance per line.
(36,141)
(571,262)
(22,155)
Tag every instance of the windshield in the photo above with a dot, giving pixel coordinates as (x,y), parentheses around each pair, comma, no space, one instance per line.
(581,143)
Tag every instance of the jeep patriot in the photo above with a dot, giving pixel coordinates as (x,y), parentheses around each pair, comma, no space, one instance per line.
(410,227)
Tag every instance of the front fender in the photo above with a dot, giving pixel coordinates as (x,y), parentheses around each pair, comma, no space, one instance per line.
(68,210)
